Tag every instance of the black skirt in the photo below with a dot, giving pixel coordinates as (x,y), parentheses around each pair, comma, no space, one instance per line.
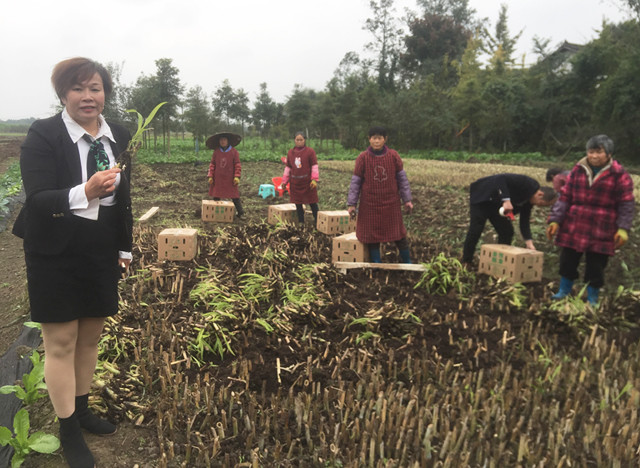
(83,280)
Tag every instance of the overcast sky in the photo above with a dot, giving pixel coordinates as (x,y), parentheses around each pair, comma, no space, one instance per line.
(280,42)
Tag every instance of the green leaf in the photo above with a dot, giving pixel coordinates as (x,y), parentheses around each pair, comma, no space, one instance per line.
(17,459)
(33,325)
(44,443)
(5,435)
(21,427)
(7,389)
(152,114)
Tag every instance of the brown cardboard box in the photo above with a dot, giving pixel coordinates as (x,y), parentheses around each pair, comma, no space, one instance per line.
(335,222)
(218,211)
(515,264)
(283,213)
(347,248)
(177,244)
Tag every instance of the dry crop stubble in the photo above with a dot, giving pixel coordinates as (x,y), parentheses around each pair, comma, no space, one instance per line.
(460,380)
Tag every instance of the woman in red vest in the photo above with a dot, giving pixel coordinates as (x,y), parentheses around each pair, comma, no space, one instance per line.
(380,183)
(302,174)
(225,168)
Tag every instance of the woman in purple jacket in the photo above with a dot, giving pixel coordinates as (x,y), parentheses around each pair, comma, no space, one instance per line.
(592,216)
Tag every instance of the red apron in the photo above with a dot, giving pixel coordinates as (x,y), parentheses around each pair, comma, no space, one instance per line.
(223,168)
(380,208)
(300,161)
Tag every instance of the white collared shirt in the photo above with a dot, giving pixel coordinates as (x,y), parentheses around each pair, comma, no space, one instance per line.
(78,202)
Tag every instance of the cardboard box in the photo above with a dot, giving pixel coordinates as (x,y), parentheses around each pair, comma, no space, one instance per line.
(347,248)
(218,211)
(177,244)
(335,222)
(283,213)
(514,264)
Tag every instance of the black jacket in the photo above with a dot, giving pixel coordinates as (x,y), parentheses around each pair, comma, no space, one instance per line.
(50,167)
(516,187)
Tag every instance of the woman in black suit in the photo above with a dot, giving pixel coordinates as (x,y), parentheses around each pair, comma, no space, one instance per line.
(76,224)
(516,194)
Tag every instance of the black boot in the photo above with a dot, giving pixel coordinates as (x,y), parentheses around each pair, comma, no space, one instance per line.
(74,447)
(90,421)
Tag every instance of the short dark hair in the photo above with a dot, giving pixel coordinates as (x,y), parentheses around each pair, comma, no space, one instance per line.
(77,70)
(378,130)
(552,172)
(600,141)
(301,134)
(548,194)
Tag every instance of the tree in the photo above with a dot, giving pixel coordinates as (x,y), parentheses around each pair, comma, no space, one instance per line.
(458,10)
(433,43)
(386,44)
(265,112)
(298,108)
(239,110)
(115,106)
(169,90)
(223,100)
(324,116)
(466,95)
(350,65)
(605,73)
(197,114)
(634,6)
(501,46)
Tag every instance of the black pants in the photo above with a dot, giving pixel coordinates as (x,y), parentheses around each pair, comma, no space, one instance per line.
(236,203)
(300,211)
(479,214)
(594,266)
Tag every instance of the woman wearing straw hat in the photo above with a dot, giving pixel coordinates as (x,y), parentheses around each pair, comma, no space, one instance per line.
(225,169)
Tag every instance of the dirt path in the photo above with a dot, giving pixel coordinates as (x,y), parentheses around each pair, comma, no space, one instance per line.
(13,304)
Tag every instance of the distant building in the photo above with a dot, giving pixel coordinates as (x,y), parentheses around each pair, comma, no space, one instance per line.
(559,59)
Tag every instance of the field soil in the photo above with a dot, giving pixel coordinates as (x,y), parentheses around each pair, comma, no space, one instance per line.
(375,369)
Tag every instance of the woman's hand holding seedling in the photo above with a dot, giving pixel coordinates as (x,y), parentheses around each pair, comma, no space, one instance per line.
(101,183)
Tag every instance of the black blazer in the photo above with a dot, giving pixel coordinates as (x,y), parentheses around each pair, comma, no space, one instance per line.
(50,167)
(517,187)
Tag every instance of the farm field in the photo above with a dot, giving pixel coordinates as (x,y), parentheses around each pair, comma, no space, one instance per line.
(260,353)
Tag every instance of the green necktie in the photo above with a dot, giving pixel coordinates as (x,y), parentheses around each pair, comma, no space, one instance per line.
(97,159)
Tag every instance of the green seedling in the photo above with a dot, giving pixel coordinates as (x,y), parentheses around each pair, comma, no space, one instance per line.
(124,159)
(23,443)
(32,383)
(365,336)
(444,274)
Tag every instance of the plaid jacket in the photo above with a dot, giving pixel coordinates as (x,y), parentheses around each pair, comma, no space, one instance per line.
(592,208)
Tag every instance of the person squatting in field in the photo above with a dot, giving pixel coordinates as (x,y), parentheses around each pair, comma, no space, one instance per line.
(379,183)
(77,229)
(302,174)
(515,194)
(592,217)
(225,168)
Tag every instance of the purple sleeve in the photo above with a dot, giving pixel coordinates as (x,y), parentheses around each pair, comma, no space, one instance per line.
(403,186)
(354,190)
(626,211)
(558,211)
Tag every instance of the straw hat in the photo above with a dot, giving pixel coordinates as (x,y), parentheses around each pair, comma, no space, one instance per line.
(213,141)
